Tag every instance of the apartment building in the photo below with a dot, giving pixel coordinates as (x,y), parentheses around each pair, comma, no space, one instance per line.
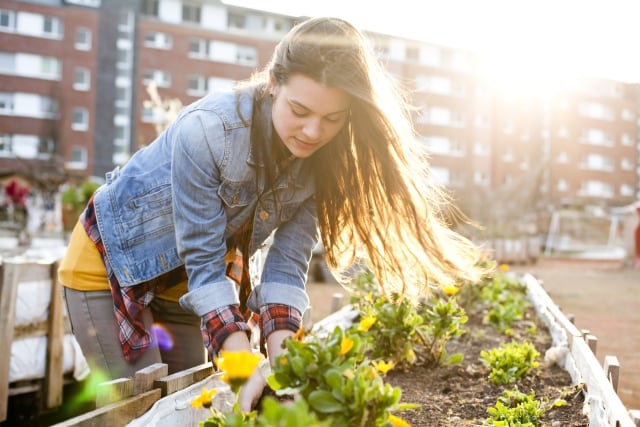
(47,96)
(494,152)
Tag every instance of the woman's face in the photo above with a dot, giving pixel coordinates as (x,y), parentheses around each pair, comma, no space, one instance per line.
(306,114)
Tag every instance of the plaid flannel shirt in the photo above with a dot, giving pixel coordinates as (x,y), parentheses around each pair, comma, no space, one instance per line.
(216,326)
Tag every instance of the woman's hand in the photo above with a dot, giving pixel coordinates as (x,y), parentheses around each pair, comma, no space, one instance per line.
(251,391)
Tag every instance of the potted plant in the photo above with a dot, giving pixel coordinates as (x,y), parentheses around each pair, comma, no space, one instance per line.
(74,200)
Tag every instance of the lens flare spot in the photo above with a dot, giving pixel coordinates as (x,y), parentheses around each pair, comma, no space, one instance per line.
(163,337)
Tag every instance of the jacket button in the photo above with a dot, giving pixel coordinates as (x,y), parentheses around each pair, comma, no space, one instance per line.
(264,215)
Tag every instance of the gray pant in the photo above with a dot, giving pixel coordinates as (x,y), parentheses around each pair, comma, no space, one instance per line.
(94,325)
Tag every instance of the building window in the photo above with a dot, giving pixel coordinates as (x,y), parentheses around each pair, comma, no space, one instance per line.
(246,55)
(627,115)
(121,133)
(596,189)
(50,68)
(237,20)
(191,13)
(52,27)
(7,63)
(626,164)
(5,145)
(150,7)
(82,79)
(7,20)
(480,178)
(46,147)
(481,149)
(158,40)
(626,140)
(596,111)
(562,157)
(78,158)
(83,38)
(198,48)
(598,162)
(48,106)
(438,116)
(598,137)
(162,78)
(563,185)
(6,103)
(196,85)
(80,119)
(626,190)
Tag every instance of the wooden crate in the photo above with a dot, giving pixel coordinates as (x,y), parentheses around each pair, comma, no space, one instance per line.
(12,272)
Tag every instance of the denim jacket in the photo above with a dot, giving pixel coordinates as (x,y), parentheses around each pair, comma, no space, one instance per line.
(177,200)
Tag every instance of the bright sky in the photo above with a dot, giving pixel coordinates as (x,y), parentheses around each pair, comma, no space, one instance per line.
(531,41)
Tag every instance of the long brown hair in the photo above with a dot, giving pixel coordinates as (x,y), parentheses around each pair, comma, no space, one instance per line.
(375,200)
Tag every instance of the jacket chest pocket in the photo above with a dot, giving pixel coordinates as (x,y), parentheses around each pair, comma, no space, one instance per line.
(238,200)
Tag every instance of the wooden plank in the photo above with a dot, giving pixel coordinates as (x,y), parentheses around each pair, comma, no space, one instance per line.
(115,414)
(8,292)
(144,378)
(179,380)
(612,370)
(53,382)
(112,391)
(599,385)
(592,342)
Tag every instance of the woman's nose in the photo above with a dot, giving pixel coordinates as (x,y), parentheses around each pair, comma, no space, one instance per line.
(312,129)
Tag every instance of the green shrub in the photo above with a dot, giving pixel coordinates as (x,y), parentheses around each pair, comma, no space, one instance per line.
(515,408)
(510,362)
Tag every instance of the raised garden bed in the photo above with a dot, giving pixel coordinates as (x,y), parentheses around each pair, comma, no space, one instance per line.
(450,395)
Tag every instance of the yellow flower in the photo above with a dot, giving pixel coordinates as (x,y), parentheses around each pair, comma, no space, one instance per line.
(504,267)
(301,334)
(204,399)
(345,345)
(397,421)
(237,366)
(366,323)
(450,290)
(382,366)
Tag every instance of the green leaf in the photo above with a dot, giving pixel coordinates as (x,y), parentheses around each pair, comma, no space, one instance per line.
(455,358)
(273,382)
(324,402)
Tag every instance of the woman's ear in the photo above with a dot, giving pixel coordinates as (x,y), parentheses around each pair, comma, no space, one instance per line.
(271,86)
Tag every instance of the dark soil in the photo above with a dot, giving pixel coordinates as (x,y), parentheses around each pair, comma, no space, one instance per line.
(459,394)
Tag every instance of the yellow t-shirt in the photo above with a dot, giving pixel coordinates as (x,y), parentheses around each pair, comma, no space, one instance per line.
(82,268)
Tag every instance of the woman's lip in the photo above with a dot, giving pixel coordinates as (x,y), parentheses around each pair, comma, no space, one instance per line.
(301,142)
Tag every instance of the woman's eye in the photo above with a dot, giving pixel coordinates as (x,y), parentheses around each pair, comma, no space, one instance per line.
(332,119)
(298,113)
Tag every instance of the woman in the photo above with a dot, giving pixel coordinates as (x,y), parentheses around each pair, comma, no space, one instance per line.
(318,141)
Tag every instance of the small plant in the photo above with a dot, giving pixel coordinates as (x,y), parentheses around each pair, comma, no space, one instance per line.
(510,362)
(506,301)
(399,330)
(515,408)
(332,376)
(443,320)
